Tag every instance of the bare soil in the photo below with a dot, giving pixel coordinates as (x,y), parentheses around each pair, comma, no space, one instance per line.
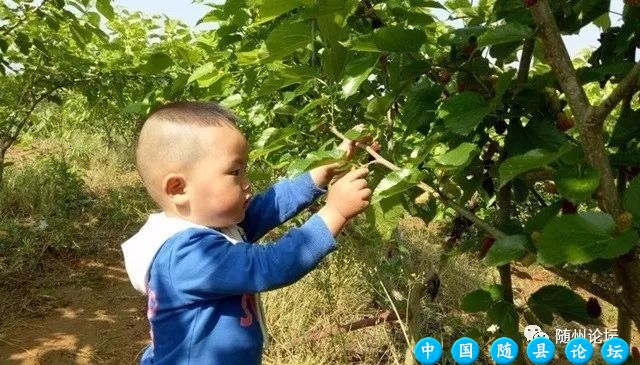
(85,312)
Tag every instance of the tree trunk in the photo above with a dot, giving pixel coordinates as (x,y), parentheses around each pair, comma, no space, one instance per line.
(2,154)
(589,121)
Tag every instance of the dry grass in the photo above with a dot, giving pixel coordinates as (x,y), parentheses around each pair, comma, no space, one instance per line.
(348,287)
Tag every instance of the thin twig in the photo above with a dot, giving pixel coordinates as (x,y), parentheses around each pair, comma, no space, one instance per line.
(493,231)
(597,114)
(597,290)
(395,310)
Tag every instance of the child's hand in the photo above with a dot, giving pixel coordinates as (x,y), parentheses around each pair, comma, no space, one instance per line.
(350,194)
(322,175)
(349,146)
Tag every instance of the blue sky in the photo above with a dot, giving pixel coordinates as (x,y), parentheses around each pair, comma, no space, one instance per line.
(190,13)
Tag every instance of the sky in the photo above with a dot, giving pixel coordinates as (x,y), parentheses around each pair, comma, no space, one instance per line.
(190,13)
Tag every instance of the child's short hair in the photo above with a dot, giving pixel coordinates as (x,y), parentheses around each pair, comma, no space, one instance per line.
(167,139)
(198,113)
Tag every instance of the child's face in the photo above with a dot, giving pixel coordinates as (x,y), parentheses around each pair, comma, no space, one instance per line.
(219,189)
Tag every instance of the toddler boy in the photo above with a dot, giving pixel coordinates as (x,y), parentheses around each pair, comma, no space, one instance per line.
(196,261)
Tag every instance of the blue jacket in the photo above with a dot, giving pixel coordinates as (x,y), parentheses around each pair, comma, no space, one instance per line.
(200,282)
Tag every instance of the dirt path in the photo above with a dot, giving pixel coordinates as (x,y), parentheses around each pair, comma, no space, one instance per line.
(91,316)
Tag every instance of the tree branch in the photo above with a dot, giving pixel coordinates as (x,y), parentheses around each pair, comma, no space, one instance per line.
(558,58)
(385,316)
(493,231)
(24,120)
(7,31)
(598,291)
(591,138)
(525,61)
(597,114)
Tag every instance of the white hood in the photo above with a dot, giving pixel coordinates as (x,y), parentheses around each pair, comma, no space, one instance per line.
(140,249)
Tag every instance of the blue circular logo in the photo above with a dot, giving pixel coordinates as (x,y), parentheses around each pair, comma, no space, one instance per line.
(615,351)
(541,350)
(465,351)
(504,351)
(428,351)
(579,351)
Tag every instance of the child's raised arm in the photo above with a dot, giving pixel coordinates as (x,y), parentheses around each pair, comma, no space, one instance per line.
(287,198)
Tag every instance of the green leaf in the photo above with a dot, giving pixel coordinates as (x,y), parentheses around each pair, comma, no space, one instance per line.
(627,128)
(271,9)
(505,250)
(463,112)
(333,60)
(105,8)
(427,4)
(477,301)
(157,62)
(534,159)
(496,291)
(287,38)
(505,52)
(135,108)
(319,102)
(505,33)
(357,132)
(356,71)
(178,85)
(23,43)
(271,140)
(332,23)
(543,312)
(457,4)
(603,22)
(538,134)
(582,238)
(577,185)
(419,109)
(203,72)
(561,301)
(457,157)
(390,39)
(504,314)
(461,35)
(631,200)
(538,221)
(378,107)
(315,159)
(504,81)
(394,183)
(285,76)
(385,215)
(232,100)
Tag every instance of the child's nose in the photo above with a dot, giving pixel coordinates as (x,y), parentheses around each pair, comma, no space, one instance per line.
(246,185)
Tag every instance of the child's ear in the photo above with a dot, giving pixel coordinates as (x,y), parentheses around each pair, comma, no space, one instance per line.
(174,187)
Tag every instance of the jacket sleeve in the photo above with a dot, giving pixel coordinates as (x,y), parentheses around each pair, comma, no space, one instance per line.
(278,204)
(205,265)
